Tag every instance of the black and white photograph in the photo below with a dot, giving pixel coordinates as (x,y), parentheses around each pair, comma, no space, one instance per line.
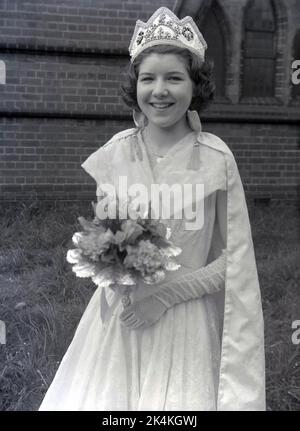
(150,208)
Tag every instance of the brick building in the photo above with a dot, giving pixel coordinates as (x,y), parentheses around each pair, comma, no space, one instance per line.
(59,92)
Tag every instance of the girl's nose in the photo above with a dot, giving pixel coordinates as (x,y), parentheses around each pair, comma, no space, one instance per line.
(160,88)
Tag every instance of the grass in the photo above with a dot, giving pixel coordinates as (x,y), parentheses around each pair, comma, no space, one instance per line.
(41,300)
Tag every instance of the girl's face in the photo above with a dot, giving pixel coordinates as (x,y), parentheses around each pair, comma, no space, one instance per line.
(164,89)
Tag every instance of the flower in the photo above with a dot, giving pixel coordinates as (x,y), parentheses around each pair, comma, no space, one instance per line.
(118,252)
(74,255)
(132,230)
(93,242)
(145,257)
(84,269)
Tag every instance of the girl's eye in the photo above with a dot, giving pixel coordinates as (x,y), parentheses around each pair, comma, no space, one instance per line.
(171,78)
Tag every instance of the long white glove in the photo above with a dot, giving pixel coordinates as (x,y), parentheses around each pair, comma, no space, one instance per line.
(205,280)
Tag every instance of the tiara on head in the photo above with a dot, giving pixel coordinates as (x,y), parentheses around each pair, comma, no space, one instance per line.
(164,28)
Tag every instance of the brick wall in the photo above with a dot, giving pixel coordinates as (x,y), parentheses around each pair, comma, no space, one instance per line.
(267,156)
(41,158)
(38,84)
(64,62)
(73,24)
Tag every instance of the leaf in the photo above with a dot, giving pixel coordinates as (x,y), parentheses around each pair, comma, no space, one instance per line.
(90,226)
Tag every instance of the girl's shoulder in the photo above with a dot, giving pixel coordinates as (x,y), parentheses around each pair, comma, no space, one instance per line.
(213,141)
(107,150)
(217,153)
(99,163)
(120,136)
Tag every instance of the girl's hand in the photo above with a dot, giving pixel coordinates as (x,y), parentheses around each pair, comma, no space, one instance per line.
(143,313)
(146,309)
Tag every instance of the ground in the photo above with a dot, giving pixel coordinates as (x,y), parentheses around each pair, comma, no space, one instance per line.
(42,301)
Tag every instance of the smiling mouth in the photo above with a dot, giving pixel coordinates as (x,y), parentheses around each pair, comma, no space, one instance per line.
(161,106)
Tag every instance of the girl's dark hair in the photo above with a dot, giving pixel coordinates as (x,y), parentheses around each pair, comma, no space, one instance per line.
(200,73)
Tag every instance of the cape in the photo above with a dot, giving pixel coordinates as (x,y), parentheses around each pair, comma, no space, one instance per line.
(242,366)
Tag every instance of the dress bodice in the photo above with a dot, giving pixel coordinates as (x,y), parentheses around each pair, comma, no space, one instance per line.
(195,243)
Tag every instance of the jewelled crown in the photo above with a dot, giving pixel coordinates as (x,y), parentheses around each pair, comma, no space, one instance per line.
(164,28)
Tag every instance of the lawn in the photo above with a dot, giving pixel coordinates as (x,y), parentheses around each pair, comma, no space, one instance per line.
(41,300)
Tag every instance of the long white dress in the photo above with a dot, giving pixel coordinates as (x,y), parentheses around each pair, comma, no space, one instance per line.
(172,365)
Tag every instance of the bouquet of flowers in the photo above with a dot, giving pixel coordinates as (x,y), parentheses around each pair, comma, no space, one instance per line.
(122,251)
